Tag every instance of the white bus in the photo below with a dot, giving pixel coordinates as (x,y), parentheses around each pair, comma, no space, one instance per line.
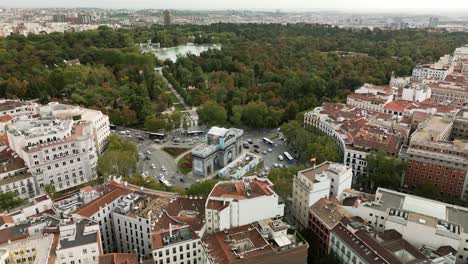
(268,141)
(288,157)
(165,182)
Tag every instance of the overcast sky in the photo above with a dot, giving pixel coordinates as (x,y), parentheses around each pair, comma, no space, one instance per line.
(249,4)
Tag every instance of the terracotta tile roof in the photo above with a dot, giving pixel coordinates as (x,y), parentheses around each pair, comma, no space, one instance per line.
(216,205)
(236,189)
(87,189)
(367,97)
(6,219)
(5,118)
(221,246)
(118,258)
(89,209)
(399,105)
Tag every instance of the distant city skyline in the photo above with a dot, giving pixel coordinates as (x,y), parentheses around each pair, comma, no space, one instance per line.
(344,5)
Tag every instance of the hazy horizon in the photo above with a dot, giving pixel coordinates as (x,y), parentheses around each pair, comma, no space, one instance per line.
(418,6)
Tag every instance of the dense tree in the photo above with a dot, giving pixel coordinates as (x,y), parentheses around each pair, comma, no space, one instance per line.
(120,158)
(310,144)
(282,178)
(211,113)
(202,188)
(382,171)
(9,200)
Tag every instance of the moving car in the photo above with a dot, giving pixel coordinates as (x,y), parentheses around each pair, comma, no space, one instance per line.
(280,157)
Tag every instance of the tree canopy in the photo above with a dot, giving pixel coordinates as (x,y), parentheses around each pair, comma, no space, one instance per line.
(382,171)
(9,200)
(119,159)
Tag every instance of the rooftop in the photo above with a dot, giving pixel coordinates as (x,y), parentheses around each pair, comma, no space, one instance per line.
(118,258)
(80,234)
(247,188)
(319,173)
(384,248)
(431,211)
(6,105)
(329,211)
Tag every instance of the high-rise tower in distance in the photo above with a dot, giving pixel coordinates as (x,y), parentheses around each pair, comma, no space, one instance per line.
(167,17)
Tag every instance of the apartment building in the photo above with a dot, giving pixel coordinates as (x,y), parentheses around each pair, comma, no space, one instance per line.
(460,53)
(454,92)
(221,148)
(236,203)
(265,242)
(18,108)
(327,180)
(426,224)
(102,210)
(357,132)
(177,231)
(323,216)
(432,157)
(79,242)
(367,101)
(15,176)
(431,72)
(353,242)
(98,122)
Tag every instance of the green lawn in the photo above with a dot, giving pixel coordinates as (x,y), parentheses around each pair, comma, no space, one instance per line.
(185,164)
(174,152)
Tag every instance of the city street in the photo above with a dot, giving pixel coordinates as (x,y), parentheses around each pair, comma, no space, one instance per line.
(166,166)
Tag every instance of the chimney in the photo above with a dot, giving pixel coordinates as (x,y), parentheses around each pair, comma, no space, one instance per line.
(170,230)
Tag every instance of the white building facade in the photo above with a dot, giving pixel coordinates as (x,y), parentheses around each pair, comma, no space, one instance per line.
(323,181)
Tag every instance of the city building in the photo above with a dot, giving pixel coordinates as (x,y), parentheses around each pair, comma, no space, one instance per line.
(357,132)
(118,258)
(167,17)
(431,72)
(96,119)
(323,216)
(416,92)
(453,92)
(60,18)
(221,148)
(353,242)
(327,180)
(426,224)
(15,176)
(5,121)
(242,165)
(79,242)
(84,19)
(367,101)
(18,108)
(264,242)
(236,203)
(460,54)
(61,153)
(109,210)
(433,157)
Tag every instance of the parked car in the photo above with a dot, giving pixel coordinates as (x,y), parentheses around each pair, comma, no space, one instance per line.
(182,180)
(280,157)
(148,152)
(153,166)
(270,150)
(256,146)
(264,152)
(256,151)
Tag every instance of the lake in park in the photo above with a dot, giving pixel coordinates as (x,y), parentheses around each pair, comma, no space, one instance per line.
(182,50)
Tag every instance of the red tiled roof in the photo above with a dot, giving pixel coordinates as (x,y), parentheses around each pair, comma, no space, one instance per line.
(5,118)
(399,105)
(87,189)
(118,258)
(89,209)
(6,219)
(236,189)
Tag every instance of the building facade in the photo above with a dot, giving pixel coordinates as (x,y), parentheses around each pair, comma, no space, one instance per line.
(221,148)
(327,180)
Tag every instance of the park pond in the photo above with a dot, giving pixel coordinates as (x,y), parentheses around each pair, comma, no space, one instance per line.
(182,50)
